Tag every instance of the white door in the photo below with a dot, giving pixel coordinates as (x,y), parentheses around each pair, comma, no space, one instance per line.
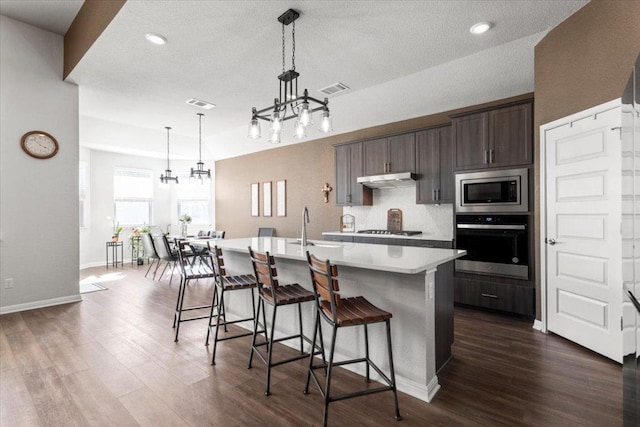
(583,251)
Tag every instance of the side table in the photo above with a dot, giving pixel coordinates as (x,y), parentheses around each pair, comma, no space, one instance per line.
(115,260)
(137,251)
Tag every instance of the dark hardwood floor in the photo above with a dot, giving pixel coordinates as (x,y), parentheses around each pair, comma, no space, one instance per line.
(111,360)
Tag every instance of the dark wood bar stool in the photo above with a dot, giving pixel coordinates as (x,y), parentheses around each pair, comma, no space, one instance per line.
(270,291)
(190,271)
(343,312)
(225,283)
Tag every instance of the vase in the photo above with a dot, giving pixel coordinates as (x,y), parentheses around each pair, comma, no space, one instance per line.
(114,238)
(183,229)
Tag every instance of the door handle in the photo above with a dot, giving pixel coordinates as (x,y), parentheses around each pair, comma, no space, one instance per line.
(552,241)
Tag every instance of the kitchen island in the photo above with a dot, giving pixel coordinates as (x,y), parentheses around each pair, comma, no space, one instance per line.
(409,282)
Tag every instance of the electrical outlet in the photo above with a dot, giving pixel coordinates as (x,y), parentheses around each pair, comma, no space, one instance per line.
(8,283)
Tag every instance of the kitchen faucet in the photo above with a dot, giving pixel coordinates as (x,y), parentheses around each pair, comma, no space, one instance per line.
(305,220)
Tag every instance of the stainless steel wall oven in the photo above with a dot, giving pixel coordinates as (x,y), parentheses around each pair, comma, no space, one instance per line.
(497,245)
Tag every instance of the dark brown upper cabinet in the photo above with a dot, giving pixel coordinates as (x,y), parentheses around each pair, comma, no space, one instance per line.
(390,155)
(494,138)
(434,166)
(348,169)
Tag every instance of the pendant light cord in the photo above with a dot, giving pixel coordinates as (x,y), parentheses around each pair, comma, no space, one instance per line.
(168,128)
(200,137)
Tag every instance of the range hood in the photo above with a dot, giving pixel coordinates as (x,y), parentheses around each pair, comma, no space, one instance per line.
(390,180)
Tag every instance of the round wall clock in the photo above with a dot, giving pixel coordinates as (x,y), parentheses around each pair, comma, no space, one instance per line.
(39,144)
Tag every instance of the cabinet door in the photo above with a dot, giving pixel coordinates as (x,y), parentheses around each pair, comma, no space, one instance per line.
(510,133)
(401,153)
(427,165)
(470,136)
(343,174)
(375,156)
(446,193)
(359,195)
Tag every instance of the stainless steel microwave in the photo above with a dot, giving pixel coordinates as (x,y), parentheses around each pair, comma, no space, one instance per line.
(493,191)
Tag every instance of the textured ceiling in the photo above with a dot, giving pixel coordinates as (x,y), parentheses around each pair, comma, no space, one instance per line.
(50,15)
(401,59)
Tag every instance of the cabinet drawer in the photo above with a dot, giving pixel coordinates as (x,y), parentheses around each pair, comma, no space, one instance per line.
(497,296)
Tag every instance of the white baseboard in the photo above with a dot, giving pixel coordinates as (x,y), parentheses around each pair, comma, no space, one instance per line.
(40,304)
(102,264)
(537,325)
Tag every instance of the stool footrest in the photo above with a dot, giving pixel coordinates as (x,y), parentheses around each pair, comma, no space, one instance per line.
(194,318)
(200,307)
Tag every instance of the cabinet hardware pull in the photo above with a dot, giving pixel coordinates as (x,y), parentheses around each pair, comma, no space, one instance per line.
(492,156)
(433,194)
(438,194)
(486,156)
(490,296)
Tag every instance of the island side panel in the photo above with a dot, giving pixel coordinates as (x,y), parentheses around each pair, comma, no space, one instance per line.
(444,314)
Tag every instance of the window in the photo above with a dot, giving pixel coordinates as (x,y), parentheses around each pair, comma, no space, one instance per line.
(193,200)
(83,182)
(133,195)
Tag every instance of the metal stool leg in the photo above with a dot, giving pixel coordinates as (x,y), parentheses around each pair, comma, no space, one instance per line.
(393,374)
(183,285)
(215,336)
(270,353)
(366,350)
(214,305)
(313,346)
(255,330)
(327,388)
(300,323)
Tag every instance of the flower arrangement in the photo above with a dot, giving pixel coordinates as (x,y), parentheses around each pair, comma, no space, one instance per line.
(184,220)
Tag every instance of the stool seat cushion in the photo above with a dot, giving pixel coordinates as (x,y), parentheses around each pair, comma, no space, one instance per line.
(288,294)
(355,311)
(242,281)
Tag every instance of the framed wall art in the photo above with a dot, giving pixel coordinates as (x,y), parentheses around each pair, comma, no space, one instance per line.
(281,198)
(254,199)
(266,198)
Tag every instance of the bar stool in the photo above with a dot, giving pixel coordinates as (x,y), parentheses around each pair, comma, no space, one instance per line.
(343,312)
(225,283)
(189,271)
(276,295)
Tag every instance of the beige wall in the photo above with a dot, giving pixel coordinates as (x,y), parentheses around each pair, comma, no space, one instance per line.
(583,62)
(305,167)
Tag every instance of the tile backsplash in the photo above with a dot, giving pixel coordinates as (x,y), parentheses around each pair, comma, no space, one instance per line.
(430,219)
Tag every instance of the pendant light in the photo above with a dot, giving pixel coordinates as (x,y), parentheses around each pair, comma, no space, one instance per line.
(289,105)
(167,178)
(199,171)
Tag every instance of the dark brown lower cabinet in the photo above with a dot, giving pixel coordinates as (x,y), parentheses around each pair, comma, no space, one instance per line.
(509,297)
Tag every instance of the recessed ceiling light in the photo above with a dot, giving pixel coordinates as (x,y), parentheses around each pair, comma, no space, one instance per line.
(480,27)
(155,38)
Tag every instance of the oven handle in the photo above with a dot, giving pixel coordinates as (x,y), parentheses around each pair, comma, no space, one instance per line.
(491,227)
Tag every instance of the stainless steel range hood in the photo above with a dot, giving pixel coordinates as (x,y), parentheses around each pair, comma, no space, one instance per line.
(390,180)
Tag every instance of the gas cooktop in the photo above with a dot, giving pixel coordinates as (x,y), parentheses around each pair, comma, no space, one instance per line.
(394,233)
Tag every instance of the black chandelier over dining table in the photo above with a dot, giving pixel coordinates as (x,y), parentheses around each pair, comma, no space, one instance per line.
(289,105)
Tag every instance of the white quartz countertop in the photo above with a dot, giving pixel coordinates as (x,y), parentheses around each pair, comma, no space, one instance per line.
(423,236)
(400,259)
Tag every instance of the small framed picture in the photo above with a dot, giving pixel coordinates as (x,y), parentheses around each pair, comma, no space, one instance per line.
(281,198)
(254,200)
(266,198)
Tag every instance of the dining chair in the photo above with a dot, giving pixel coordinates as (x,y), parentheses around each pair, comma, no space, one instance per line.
(150,252)
(342,312)
(165,253)
(266,232)
(275,294)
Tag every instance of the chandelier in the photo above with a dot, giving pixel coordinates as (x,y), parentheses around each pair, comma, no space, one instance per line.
(167,177)
(199,172)
(289,105)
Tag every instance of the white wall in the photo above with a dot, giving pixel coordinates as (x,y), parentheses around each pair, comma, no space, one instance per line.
(38,198)
(435,222)
(99,228)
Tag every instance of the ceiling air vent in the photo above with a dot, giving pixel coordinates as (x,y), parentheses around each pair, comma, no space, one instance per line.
(202,104)
(334,88)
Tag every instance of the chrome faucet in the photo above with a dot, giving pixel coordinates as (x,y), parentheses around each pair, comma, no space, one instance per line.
(305,220)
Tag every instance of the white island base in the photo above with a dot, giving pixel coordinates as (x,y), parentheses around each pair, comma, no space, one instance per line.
(405,281)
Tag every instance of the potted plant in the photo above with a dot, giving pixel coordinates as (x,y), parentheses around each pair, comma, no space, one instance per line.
(136,244)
